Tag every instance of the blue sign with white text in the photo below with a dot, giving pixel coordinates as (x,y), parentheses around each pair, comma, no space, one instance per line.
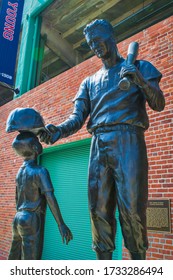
(10,23)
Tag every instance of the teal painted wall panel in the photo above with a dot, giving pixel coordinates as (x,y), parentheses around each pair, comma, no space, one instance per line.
(29,44)
(68,170)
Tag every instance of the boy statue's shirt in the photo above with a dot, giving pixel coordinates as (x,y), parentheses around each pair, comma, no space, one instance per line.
(32,181)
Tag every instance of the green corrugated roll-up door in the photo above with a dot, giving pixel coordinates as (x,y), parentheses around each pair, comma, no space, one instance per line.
(68,168)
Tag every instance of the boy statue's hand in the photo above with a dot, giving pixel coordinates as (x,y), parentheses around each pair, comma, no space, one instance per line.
(65,233)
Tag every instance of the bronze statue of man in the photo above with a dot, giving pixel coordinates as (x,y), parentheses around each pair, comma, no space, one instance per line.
(118,168)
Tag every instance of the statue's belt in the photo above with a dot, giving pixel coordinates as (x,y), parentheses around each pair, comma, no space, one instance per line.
(118,127)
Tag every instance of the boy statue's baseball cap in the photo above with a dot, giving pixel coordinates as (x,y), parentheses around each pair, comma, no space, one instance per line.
(24,119)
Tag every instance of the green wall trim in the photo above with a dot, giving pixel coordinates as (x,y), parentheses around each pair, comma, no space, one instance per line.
(40,56)
(39,6)
(25,55)
(26,67)
(34,54)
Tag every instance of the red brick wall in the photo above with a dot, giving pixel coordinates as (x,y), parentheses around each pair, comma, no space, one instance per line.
(53,100)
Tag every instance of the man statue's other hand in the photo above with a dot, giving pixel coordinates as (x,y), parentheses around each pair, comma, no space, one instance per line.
(133,73)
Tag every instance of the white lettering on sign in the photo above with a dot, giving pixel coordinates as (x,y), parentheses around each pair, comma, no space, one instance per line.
(10,21)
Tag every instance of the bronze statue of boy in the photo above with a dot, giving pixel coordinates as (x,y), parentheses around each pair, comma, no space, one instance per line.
(33,190)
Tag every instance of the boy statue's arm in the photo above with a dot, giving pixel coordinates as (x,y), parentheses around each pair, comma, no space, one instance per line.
(54,207)
(48,191)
